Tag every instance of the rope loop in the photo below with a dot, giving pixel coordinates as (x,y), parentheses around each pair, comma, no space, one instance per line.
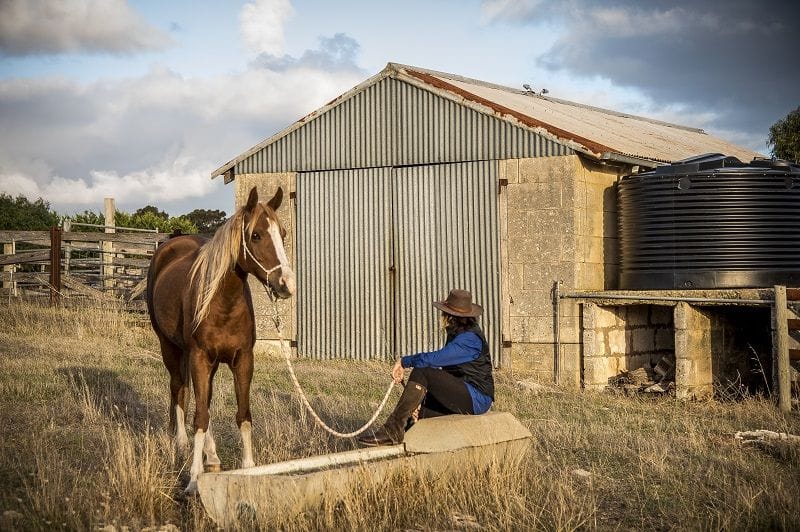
(288,356)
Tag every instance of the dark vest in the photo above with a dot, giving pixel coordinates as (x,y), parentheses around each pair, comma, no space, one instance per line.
(477,372)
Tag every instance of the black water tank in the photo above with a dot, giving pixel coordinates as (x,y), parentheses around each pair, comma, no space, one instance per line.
(710,222)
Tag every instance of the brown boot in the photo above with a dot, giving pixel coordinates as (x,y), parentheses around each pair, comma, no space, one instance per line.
(393,431)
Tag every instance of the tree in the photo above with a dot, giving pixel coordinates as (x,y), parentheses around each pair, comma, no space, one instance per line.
(151,210)
(206,220)
(145,218)
(784,137)
(22,214)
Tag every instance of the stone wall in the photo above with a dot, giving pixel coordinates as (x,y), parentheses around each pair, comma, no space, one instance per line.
(623,338)
(558,223)
(267,184)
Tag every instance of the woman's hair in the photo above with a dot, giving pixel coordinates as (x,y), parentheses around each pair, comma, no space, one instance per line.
(457,324)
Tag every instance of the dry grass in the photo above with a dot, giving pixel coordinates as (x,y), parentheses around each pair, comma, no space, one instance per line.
(83,400)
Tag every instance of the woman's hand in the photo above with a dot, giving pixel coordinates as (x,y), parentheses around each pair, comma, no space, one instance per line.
(397,372)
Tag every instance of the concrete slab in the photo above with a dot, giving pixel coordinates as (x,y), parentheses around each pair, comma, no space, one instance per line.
(442,445)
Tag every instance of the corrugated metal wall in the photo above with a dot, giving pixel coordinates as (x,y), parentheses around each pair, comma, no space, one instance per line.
(344,298)
(447,236)
(436,224)
(394,123)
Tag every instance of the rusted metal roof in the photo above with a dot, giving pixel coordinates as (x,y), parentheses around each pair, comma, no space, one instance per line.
(599,133)
(598,130)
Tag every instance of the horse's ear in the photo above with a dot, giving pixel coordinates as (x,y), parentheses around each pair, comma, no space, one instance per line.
(275,202)
(252,200)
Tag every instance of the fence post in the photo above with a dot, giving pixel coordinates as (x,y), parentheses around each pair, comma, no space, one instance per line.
(55,265)
(107,260)
(781,350)
(66,226)
(11,284)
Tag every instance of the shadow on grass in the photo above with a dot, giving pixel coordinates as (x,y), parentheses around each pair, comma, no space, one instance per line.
(113,397)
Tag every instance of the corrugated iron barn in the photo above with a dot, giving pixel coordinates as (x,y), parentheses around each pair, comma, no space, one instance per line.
(415,182)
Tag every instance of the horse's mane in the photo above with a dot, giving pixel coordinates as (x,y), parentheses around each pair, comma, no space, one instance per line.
(216,258)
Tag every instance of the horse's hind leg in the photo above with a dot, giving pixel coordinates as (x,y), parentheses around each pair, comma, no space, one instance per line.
(178,388)
(242,376)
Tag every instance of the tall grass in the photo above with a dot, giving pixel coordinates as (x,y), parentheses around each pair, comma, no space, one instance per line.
(83,411)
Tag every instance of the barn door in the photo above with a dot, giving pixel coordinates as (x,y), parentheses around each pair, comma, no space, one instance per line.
(377,246)
(344,297)
(446,236)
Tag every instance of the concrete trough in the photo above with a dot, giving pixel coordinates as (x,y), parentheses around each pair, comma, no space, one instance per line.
(441,445)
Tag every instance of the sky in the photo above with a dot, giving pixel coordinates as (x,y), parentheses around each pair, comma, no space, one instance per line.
(140,100)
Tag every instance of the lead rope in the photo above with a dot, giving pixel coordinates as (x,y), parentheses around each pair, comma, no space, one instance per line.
(276,318)
(287,355)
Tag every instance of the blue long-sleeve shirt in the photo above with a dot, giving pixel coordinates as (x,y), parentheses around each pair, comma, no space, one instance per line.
(465,347)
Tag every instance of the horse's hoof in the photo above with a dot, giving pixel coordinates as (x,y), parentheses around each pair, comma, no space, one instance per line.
(247,464)
(191,489)
(213,468)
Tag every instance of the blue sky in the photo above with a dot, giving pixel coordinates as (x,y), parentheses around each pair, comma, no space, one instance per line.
(141,100)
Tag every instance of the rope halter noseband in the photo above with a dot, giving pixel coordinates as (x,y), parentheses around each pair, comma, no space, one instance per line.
(249,253)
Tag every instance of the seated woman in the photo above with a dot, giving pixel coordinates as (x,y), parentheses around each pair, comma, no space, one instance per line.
(456,379)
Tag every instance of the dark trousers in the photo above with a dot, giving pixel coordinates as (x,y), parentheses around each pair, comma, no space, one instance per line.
(447,394)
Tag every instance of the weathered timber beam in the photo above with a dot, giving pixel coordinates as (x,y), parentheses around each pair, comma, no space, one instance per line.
(22,257)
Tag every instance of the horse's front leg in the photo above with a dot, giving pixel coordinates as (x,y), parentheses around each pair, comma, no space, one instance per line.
(242,377)
(202,371)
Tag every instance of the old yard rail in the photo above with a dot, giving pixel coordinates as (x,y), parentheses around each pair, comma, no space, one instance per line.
(58,263)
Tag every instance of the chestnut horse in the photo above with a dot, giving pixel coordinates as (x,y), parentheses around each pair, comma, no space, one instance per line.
(202,312)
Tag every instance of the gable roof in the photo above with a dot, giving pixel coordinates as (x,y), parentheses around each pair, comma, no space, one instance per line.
(598,133)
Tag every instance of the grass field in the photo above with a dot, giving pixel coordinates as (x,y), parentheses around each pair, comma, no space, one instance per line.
(83,411)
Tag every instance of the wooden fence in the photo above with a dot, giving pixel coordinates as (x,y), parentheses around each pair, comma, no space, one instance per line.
(64,264)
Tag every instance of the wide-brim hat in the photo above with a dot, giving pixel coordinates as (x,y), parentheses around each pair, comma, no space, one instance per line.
(459,303)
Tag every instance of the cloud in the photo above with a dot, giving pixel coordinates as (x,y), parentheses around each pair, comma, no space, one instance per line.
(156,138)
(30,27)
(262,24)
(729,61)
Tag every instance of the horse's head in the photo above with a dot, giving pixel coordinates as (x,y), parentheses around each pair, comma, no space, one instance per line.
(262,253)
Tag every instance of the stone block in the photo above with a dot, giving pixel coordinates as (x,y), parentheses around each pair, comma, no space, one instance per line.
(660,315)
(547,169)
(684,371)
(550,221)
(527,358)
(594,343)
(515,277)
(569,370)
(510,170)
(617,343)
(534,196)
(597,370)
(665,339)
(537,329)
(569,248)
(637,316)
(643,340)
(590,276)
(591,249)
(542,276)
(532,303)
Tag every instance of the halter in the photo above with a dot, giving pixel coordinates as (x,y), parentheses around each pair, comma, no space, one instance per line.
(250,253)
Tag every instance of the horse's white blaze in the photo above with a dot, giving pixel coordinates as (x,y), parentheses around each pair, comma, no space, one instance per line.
(287,275)
(247,444)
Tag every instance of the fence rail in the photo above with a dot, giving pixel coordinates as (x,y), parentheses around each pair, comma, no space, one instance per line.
(69,264)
